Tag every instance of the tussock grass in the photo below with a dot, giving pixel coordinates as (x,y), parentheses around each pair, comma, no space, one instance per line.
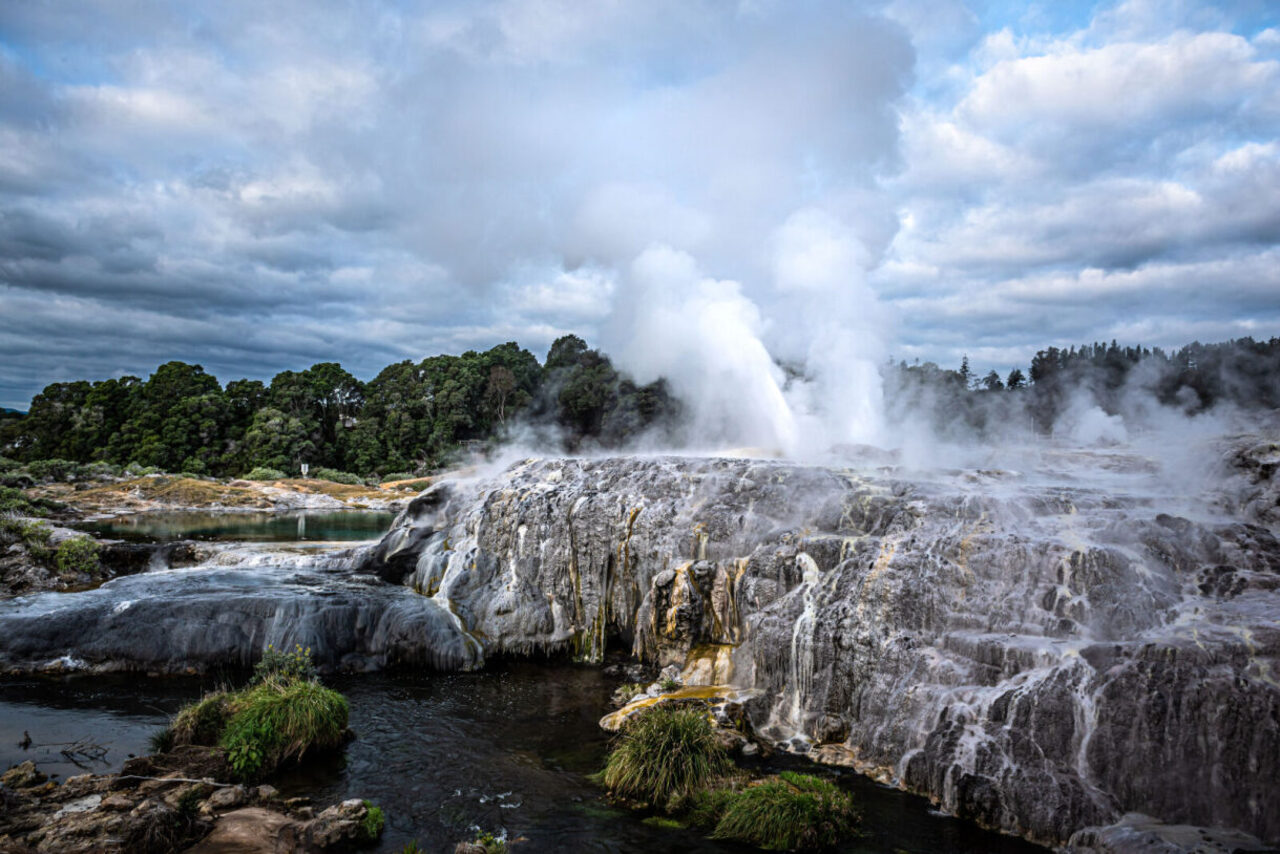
(203,721)
(279,721)
(787,812)
(663,756)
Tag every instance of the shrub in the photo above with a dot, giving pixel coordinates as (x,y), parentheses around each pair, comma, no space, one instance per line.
(336,476)
(77,554)
(398,475)
(374,821)
(787,812)
(280,665)
(663,756)
(33,535)
(8,465)
(100,471)
(203,721)
(490,843)
(276,722)
(55,469)
(264,473)
(139,470)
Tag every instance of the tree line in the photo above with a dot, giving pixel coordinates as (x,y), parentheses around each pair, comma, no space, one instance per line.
(412,417)
(1243,373)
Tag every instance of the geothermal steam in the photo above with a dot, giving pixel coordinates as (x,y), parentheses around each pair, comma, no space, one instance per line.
(725,359)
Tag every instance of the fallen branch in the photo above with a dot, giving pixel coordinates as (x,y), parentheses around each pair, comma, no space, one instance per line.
(206,782)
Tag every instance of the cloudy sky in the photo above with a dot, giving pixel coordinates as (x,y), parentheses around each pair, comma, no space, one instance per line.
(262,186)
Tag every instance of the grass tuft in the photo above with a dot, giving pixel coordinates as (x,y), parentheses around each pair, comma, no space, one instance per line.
(203,721)
(790,811)
(663,756)
(276,722)
(373,822)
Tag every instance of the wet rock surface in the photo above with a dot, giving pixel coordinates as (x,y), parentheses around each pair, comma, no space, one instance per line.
(1039,653)
(164,803)
(1036,656)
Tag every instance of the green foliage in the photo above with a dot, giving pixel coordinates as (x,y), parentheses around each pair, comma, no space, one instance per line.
(8,465)
(490,843)
(668,685)
(77,555)
(374,821)
(47,471)
(275,722)
(135,469)
(203,721)
(100,470)
(280,665)
(16,501)
(411,847)
(397,475)
(787,812)
(34,536)
(161,741)
(264,473)
(664,755)
(336,476)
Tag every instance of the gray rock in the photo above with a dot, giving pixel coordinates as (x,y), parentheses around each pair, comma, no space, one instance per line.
(227,797)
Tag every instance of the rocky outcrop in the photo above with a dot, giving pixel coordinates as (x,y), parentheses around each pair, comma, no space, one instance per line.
(1041,652)
(1038,656)
(168,802)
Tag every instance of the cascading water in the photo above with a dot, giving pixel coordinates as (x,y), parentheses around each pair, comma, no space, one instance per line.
(1033,653)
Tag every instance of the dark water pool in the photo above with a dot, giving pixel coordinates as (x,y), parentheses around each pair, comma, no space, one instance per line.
(345,525)
(508,749)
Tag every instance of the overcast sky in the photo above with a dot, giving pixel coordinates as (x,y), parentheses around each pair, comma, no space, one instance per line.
(262,186)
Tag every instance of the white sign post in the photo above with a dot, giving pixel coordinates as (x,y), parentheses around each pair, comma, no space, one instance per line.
(305,467)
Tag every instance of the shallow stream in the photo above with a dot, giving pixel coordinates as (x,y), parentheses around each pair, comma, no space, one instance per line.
(508,749)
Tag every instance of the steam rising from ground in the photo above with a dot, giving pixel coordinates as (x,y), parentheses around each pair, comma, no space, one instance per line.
(721,354)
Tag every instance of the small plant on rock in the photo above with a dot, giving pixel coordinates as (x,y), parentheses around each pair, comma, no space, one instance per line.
(278,664)
(663,756)
(374,821)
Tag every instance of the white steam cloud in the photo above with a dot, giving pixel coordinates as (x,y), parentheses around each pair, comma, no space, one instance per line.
(717,348)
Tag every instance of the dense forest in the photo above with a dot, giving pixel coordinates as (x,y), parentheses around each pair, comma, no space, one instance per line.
(417,416)
(410,418)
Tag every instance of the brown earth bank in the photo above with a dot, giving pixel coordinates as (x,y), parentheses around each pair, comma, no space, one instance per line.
(172,492)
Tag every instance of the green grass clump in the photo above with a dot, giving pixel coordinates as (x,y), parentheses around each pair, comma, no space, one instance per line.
(790,811)
(397,475)
(276,722)
(161,740)
(663,756)
(264,473)
(77,555)
(203,721)
(374,821)
(280,665)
